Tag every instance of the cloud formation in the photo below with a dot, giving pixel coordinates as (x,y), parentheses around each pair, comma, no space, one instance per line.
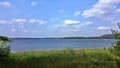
(70,26)
(19,24)
(88,23)
(77,13)
(105,9)
(5,4)
(54,19)
(40,21)
(103,28)
(3,22)
(19,20)
(82,25)
(71,22)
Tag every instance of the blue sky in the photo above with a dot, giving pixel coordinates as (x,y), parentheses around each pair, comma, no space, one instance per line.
(58,18)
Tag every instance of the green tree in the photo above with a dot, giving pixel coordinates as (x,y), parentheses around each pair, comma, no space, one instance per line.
(4,47)
(116,34)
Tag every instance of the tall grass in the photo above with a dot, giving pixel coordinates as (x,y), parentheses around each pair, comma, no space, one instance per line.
(67,58)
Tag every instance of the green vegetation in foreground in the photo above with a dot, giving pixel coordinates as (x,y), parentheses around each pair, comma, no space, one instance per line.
(4,48)
(68,58)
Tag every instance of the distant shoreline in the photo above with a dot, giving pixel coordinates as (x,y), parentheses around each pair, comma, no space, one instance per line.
(65,38)
(106,36)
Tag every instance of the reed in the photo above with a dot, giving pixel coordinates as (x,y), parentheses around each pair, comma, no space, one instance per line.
(67,58)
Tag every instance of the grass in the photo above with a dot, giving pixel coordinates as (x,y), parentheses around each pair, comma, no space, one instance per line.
(67,58)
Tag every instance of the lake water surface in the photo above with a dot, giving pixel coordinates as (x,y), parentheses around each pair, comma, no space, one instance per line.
(48,44)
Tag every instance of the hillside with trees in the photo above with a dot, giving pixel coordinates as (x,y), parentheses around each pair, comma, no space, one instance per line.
(106,36)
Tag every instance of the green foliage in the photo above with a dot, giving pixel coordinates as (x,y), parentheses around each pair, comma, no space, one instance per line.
(4,48)
(116,46)
(3,38)
(67,58)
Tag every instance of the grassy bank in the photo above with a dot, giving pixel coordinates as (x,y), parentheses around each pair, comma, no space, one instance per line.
(68,58)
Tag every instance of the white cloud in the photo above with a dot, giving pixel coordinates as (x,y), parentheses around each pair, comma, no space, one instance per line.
(88,23)
(82,25)
(19,20)
(32,20)
(34,3)
(70,26)
(13,30)
(77,13)
(71,22)
(5,4)
(57,26)
(40,21)
(3,22)
(54,19)
(104,9)
(103,28)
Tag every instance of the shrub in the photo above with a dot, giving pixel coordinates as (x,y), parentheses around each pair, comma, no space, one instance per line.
(4,47)
(116,46)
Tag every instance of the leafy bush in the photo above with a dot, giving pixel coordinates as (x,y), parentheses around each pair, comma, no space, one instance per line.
(4,47)
(116,46)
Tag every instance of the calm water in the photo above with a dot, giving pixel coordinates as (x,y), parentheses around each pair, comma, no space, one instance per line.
(47,44)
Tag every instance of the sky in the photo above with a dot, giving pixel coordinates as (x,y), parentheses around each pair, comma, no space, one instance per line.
(58,18)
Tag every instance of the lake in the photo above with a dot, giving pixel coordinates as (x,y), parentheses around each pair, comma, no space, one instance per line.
(50,44)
